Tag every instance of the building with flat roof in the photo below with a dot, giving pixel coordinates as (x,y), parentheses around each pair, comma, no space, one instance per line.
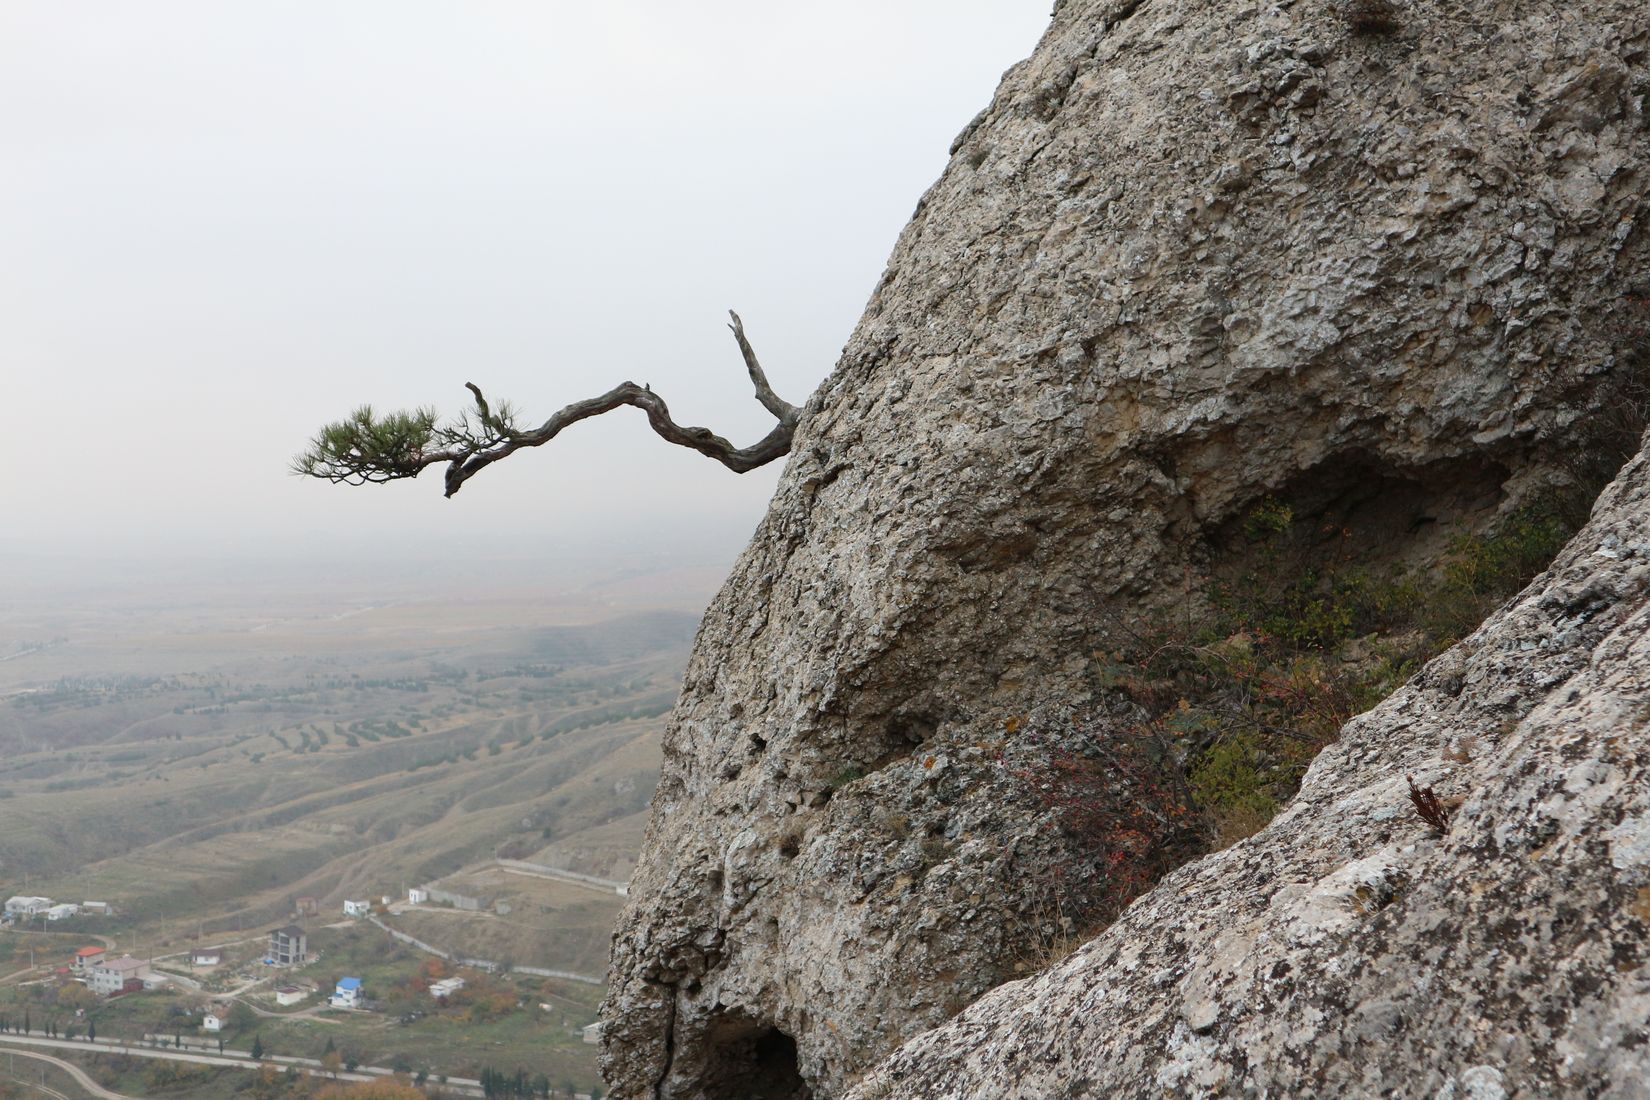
(110,976)
(288,946)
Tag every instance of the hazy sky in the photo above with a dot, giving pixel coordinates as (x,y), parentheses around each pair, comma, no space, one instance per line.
(222,224)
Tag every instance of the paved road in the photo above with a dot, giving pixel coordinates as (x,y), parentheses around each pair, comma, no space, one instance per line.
(183,980)
(79,1075)
(466,1085)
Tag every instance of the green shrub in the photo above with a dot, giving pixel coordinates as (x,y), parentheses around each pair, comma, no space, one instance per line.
(1299,637)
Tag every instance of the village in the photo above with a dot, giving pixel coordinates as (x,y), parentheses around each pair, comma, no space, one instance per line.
(333,992)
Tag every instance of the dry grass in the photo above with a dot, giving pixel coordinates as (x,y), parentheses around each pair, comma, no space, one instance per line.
(1235,823)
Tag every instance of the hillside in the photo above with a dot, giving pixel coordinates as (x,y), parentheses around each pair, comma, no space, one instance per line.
(201,766)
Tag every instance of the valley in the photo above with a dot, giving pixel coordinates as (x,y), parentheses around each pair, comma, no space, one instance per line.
(206,763)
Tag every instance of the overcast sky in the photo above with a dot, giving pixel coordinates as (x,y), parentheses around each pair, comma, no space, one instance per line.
(222,224)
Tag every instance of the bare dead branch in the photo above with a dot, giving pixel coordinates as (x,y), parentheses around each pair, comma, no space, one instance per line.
(764,392)
(371,448)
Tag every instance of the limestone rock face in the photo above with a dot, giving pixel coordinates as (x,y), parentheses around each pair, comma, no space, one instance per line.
(1349,949)
(1192,254)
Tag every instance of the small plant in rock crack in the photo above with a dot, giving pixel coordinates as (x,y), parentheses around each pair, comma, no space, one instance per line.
(1120,803)
(1428,806)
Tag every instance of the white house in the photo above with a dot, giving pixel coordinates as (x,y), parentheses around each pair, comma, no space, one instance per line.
(357,908)
(99,907)
(216,1017)
(417,896)
(592,1033)
(289,995)
(348,993)
(206,956)
(62,912)
(446,987)
(111,975)
(27,905)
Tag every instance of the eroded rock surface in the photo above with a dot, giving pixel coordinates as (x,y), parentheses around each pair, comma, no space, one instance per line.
(1349,950)
(1192,254)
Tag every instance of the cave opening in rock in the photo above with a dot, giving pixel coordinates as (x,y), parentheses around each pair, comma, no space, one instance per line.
(1314,600)
(749,1060)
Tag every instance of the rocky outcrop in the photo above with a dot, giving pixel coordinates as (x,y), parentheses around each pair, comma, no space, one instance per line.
(1192,254)
(1350,949)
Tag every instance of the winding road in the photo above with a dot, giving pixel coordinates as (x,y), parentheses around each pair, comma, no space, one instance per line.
(464,1085)
(80,1076)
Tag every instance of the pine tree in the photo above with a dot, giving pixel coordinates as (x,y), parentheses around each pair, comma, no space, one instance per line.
(374,447)
(91,1031)
(257,1048)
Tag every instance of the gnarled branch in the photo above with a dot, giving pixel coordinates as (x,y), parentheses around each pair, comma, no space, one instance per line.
(368,447)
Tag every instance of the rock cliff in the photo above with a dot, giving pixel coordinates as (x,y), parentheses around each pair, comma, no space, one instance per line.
(1191,256)
(1349,949)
